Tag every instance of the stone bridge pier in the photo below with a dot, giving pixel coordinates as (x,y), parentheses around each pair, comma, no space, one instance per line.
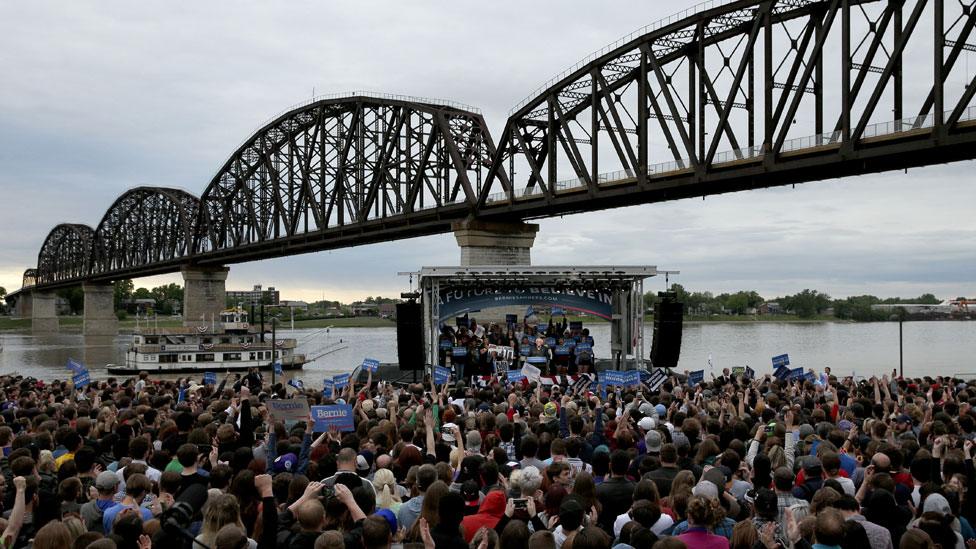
(494,243)
(43,311)
(204,294)
(99,319)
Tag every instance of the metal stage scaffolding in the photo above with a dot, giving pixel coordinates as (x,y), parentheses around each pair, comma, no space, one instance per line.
(608,291)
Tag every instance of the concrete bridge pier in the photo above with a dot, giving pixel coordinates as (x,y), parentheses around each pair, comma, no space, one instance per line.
(204,294)
(99,316)
(43,311)
(494,243)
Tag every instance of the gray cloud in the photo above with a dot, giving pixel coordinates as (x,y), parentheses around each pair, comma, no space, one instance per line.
(100,97)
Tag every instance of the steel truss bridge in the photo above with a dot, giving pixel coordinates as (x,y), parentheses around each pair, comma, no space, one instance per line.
(727,96)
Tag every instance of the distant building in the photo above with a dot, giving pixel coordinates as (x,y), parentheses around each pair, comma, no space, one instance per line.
(256,296)
(361,308)
(915,308)
(294,304)
(770,308)
(387,310)
(141,306)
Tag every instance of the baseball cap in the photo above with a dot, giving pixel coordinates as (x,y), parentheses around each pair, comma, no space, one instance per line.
(706,489)
(570,513)
(936,503)
(390,518)
(361,463)
(284,463)
(106,480)
(653,442)
(904,418)
(661,410)
(646,409)
(646,423)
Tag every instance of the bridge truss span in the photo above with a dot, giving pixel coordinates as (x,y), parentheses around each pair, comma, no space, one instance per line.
(740,95)
(343,171)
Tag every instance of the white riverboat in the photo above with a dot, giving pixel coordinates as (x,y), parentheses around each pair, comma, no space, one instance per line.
(229,344)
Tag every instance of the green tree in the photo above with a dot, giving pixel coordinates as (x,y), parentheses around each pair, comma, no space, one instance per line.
(75,297)
(808,303)
(122,290)
(142,293)
(3,292)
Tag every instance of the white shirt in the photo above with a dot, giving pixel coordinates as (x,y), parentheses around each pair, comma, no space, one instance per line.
(660,526)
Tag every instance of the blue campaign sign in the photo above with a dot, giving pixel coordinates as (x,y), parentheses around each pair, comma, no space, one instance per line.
(562,350)
(297,383)
(614,377)
(810,376)
(340,381)
(76,367)
(525,350)
(446,344)
(515,376)
(575,324)
(328,386)
(81,379)
(339,415)
(536,360)
(796,374)
(459,351)
(210,378)
(371,364)
(277,368)
(696,377)
(441,375)
(782,372)
(550,342)
(580,347)
(781,360)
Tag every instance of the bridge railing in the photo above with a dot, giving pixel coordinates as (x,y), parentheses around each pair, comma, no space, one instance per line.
(660,23)
(879,129)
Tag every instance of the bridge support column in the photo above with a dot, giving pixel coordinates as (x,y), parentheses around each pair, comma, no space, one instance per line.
(204,294)
(494,243)
(44,312)
(99,319)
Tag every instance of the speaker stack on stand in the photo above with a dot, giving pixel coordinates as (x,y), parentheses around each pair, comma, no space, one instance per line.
(668,316)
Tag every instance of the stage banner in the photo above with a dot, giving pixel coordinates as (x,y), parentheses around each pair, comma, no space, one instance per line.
(537,360)
(292,409)
(339,415)
(459,301)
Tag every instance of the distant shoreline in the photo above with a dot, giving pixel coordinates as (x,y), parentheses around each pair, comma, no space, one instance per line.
(73,323)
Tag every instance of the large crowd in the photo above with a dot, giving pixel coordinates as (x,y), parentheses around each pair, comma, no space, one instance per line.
(760,463)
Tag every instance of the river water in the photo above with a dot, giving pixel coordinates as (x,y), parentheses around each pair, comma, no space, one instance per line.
(930,348)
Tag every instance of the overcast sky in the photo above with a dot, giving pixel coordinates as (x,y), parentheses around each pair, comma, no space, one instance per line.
(100,97)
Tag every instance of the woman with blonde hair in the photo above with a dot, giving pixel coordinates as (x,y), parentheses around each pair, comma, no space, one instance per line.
(386,490)
(219,511)
(54,535)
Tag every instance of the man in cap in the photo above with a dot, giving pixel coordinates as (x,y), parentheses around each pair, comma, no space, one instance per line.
(664,475)
(347,465)
(92,512)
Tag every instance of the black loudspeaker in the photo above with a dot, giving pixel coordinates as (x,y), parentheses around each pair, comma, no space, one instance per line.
(666,346)
(410,336)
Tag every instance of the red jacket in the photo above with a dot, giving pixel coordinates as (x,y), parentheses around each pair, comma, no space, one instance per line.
(491,511)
